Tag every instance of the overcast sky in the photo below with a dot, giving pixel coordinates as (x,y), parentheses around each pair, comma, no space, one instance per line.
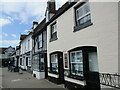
(16,17)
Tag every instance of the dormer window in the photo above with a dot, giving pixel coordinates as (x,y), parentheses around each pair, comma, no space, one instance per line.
(83,16)
(53,32)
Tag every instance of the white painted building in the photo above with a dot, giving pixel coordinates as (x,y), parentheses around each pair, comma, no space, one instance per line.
(26,52)
(82,44)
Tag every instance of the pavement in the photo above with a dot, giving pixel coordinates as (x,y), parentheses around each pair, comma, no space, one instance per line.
(25,80)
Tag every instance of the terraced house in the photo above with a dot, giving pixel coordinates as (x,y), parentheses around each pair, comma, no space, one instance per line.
(82,44)
(26,52)
(40,50)
(76,45)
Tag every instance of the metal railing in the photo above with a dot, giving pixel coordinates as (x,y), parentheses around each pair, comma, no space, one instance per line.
(112,80)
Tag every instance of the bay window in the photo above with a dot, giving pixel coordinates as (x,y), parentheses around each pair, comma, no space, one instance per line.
(36,63)
(42,63)
(76,61)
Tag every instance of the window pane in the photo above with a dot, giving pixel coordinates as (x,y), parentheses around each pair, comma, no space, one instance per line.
(77,63)
(40,41)
(79,56)
(82,21)
(36,63)
(42,64)
(54,58)
(89,17)
(72,57)
(54,62)
(81,13)
(53,27)
(93,61)
(77,69)
(86,8)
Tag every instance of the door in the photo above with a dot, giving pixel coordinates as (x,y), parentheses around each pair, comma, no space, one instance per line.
(26,61)
(45,65)
(60,67)
(42,65)
(93,81)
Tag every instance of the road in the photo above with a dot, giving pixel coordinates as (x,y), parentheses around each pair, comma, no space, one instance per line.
(25,80)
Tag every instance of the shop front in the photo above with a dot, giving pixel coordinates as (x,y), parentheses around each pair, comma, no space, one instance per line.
(83,69)
(56,71)
(40,65)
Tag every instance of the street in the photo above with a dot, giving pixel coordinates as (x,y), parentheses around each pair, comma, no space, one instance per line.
(25,80)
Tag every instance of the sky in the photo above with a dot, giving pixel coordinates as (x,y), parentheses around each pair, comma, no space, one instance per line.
(16,17)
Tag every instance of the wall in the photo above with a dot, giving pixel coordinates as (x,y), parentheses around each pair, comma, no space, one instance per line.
(24,44)
(119,38)
(44,43)
(103,34)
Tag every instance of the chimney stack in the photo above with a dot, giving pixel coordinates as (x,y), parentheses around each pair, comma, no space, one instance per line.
(34,24)
(51,5)
(50,10)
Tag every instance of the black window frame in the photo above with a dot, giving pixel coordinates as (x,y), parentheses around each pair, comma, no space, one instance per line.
(39,41)
(51,70)
(85,24)
(85,50)
(53,36)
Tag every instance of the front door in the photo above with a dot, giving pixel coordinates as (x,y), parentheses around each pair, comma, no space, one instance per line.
(43,65)
(60,67)
(26,61)
(93,81)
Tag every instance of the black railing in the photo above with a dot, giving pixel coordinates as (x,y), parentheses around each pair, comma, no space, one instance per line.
(112,80)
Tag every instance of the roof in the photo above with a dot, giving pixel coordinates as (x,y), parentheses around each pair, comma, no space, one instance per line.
(62,10)
(23,36)
(10,49)
(57,13)
(17,47)
(2,50)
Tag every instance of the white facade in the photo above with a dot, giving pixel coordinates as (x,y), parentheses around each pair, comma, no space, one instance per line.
(26,52)
(103,34)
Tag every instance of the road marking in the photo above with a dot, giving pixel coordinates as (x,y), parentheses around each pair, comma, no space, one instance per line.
(16,80)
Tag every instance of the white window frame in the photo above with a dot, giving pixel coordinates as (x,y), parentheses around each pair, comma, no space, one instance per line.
(56,61)
(53,29)
(84,14)
(76,62)
(40,41)
(29,45)
(36,63)
(29,61)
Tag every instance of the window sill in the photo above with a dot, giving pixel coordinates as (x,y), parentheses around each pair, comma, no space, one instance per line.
(82,26)
(76,77)
(53,72)
(53,39)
